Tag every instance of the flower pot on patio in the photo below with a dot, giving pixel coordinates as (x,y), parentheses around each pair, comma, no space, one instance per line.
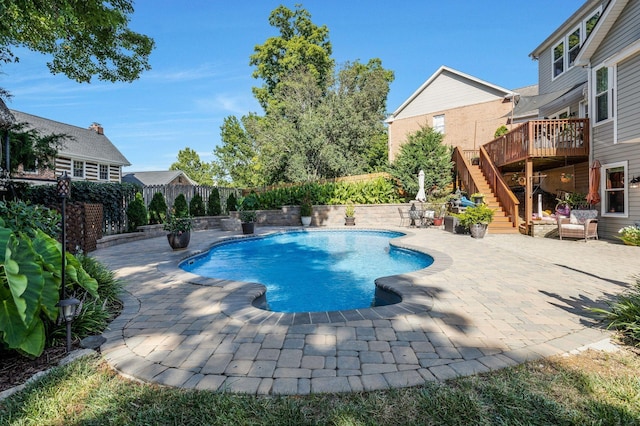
(248,227)
(478,230)
(179,241)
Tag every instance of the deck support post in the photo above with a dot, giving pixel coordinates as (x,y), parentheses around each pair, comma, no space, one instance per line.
(528,193)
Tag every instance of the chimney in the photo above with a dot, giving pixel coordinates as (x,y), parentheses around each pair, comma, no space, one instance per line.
(96,127)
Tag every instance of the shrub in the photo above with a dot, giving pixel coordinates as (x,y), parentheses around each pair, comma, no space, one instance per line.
(213,203)
(624,314)
(502,130)
(306,207)
(196,206)
(157,209)
(136,214)
(475,214)
(27,217)
(232,203)
(30,285)
(630,235)
(180,207)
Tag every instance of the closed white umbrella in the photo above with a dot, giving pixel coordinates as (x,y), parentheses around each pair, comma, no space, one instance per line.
(421,195)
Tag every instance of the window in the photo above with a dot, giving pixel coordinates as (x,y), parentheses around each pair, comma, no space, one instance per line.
(603,78)
(438,123)
(78,169)
(564,53)
(558,59)
(104,172)
(614,184)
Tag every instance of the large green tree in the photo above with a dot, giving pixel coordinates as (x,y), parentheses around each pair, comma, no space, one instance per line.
(190,163)
(237,161)
(425,151)
(84,38)
(301,43)
(317,123)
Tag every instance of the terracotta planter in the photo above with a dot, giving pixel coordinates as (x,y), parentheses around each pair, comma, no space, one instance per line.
(437,221)
(179,241)
(248,227)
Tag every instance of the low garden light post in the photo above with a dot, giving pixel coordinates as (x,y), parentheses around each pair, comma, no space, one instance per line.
(67,306)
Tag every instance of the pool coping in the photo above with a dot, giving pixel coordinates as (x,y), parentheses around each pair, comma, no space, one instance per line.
(239,304)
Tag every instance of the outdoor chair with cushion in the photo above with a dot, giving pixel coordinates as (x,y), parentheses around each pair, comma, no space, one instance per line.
(579,224)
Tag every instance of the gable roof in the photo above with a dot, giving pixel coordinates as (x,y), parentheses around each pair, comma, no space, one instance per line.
(487,89)
(163,177)
(6,118)
(565,27)
(606,21)
(83,144)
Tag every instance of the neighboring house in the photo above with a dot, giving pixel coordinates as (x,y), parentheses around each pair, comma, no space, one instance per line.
(86,154)
(167,177)
(464,108)
(593,60)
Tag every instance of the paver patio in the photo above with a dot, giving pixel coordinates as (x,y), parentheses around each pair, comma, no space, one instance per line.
(483,305)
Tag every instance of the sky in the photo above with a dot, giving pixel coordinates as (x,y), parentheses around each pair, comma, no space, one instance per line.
(201,74)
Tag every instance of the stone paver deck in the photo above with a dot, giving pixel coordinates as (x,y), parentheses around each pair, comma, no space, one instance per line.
(483,305)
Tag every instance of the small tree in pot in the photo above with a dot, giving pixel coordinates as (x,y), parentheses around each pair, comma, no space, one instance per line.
(306,209)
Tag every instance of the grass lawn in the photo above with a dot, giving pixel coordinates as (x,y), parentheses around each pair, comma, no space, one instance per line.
(593,388)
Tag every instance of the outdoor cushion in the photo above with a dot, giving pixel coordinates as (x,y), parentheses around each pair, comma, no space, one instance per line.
(581,216)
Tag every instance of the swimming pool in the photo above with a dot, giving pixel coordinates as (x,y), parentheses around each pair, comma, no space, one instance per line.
(308,271)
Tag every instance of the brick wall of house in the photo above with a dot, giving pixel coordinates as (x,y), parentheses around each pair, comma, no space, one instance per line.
(467,127)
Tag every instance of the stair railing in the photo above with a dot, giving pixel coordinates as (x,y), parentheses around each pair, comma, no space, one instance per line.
(500,189)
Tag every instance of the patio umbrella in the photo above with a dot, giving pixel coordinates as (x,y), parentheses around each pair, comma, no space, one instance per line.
(593,197)
(421,195)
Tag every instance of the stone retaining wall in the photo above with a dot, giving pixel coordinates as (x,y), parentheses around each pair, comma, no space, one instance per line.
(367,215)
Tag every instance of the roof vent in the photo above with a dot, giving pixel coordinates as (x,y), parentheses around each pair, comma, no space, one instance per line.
(96,127)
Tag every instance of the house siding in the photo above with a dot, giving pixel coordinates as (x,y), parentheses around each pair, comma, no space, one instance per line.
(466,127)
(449,91)
(625,31)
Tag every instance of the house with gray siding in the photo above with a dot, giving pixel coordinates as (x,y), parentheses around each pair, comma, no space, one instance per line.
(591,68)
(611,59)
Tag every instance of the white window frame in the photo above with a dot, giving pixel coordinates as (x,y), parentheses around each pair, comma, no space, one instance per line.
(610,92)
(582,29)
(100,166)
(73,168)
(438,123)
(606,191)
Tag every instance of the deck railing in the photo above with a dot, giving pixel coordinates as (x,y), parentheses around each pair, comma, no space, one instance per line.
(541,138)
(501,190)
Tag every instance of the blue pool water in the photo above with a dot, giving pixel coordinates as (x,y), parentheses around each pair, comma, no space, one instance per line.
(311,271)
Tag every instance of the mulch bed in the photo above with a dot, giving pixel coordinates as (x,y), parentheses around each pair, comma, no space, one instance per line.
(16,369)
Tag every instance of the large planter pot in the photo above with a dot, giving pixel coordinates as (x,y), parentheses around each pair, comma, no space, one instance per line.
(248,227)
(478,230)
(437,221)
(306,220)
(478,200)
(349,221)
(179,241)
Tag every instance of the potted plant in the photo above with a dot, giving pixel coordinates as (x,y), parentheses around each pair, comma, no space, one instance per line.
(350,215)
(477,197)
(248,221)
(179,231)
(476,218)
(306,210)
(630,235)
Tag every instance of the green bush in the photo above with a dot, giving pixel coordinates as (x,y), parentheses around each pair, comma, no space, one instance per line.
(624,314)
(136,214)
(213,203)
(157,209)
(94,313)
(232,203)
(502,130)
(30,285)
(196,206)
(475,214)
(180,207)
(27,217)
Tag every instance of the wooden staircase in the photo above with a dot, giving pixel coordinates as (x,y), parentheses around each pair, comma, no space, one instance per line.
(501,223)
